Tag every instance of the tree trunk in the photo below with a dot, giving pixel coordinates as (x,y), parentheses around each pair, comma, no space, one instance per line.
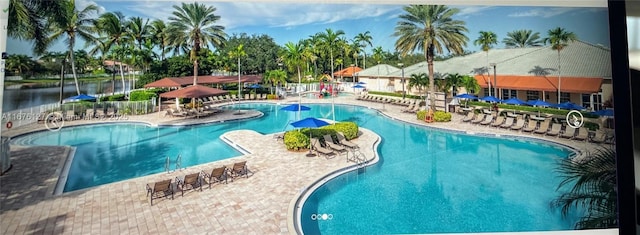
(195,72)
(61,81)
(124,89)
(429,56)
(73,65)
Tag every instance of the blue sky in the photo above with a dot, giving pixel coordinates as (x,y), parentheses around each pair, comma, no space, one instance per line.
(294,21)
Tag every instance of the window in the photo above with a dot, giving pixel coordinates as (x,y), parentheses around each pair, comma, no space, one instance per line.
(507,94)
(533,95)
(565,97)
(592,101)
(485,91)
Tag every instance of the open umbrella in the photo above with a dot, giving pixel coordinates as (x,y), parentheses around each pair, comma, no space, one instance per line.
(255,86)
(80,97)
(358,86)
(295,107)
(490,99)
(309,122)
(514,101)
(604,112)
(361,83)
(467,96)
(569,105)
(538,103)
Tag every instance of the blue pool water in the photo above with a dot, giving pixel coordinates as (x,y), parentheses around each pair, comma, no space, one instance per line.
(428,181)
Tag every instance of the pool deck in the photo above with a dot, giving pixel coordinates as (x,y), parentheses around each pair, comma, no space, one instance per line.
(259,204)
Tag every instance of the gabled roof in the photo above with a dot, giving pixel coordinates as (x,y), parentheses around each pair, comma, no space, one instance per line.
(380,70)
(193,91)
(206,79)
(348,72)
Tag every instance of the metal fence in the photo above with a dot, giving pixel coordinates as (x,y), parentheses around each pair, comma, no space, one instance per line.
(35,114)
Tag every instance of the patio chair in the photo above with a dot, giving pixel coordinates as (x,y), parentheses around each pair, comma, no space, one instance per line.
(583,134)
(234,97)
(315,145)
(228,98)
(469,117)
(111,112)
(478,118)
(239,169)
(70,115)
(544,127)
(344,142)
(569,133)
(217,175)
(328,141)
(487,120)
(246,97)
(531,126)
(89,113)
(409,108)
(188,182)
(518,126)
(100,113)
(499,120)
(555,129)
(159,189)
(600,137)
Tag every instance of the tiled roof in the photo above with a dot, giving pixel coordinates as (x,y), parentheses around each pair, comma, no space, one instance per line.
(542,83)
(348,72)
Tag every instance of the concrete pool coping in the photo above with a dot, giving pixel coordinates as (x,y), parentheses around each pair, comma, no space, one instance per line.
(257,205)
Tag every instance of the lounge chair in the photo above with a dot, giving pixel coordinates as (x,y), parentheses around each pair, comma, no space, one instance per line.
(100,113)
(469,117)
(239,169)
(555,129)
(89,114)
(344,142)
(159,189)
(188,182)
(328,141)
(70,115)
(600,137)
(508,123)
(487,120)
(531,126)
(111,112)
(218,175)
(499,120)
(544,127)
(569,133)
(583,134)
(478,118)
(246,97)
(518,126)
(410,107)
(315,145)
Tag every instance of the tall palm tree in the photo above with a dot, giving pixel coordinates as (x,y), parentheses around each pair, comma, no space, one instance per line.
(486,40)
(558,38)
(522,38)
(470,84)
(293,57)
(196,24)
(419,80)
(158,30)
(432,29)
(113,36)
(329,41)
(364,39)
(594,188)
(28,20)
(378,54)
(454,81)
(275,77)
(139,29)
(236,53)
(72,24)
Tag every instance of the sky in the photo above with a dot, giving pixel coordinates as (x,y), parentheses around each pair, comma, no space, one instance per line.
(292,21)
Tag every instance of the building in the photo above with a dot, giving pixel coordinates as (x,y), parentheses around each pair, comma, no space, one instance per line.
(531,73)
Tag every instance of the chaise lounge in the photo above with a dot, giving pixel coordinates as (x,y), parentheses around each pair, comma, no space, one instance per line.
(218,175)
(189,182)
(159,189)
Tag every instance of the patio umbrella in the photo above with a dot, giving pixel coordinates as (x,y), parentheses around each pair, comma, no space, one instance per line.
(490,99)
(361,83)
(80,97)
(467,96)
(514,101)
(358,86)
(255,86)
(569,105)
(309,122)
(295,107)
(538,103)
(604,112)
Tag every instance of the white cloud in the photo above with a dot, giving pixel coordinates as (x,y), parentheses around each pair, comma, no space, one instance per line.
(543,12)
(472,10)
(81,4)
(237,14)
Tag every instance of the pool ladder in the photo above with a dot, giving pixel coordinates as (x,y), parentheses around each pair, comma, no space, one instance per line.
(167,164)
(357,157)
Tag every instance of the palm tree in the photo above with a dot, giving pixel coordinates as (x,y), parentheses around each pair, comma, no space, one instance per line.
(363,39)
(72,24)
(329,41)
(594,188)
(195,24)
(158,30)
(470,84)
(420,81)
(293,58)
(19,63)
(454,81)
(522,38)
(378,54)
(275,77)
(432,29)
(113,36)
(28,20)
(558,38)
(486,40)
(237,53)
(139,30)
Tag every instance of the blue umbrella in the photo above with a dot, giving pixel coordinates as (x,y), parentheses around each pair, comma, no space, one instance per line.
(361,83)
(467,96)
(490,99)
(309,122)
(538,103)
(514,101)
(80,97)
(569,105)
(604,112)
(255,86)
(295,107)
(358,86)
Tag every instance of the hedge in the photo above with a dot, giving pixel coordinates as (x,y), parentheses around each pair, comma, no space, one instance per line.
(531,109)
(142,95)
(299,139)
(441,116)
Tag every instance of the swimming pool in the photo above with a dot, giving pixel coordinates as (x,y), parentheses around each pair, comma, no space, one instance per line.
(427,180)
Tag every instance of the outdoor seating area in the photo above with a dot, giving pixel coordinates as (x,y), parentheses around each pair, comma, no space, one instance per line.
(204,111)
(196,181)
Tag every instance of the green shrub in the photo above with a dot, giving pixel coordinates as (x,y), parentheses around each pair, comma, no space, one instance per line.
(420,115)
(295,140)
(141,95)
(349,129)
(441,116)
(119,97)
(272,97)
